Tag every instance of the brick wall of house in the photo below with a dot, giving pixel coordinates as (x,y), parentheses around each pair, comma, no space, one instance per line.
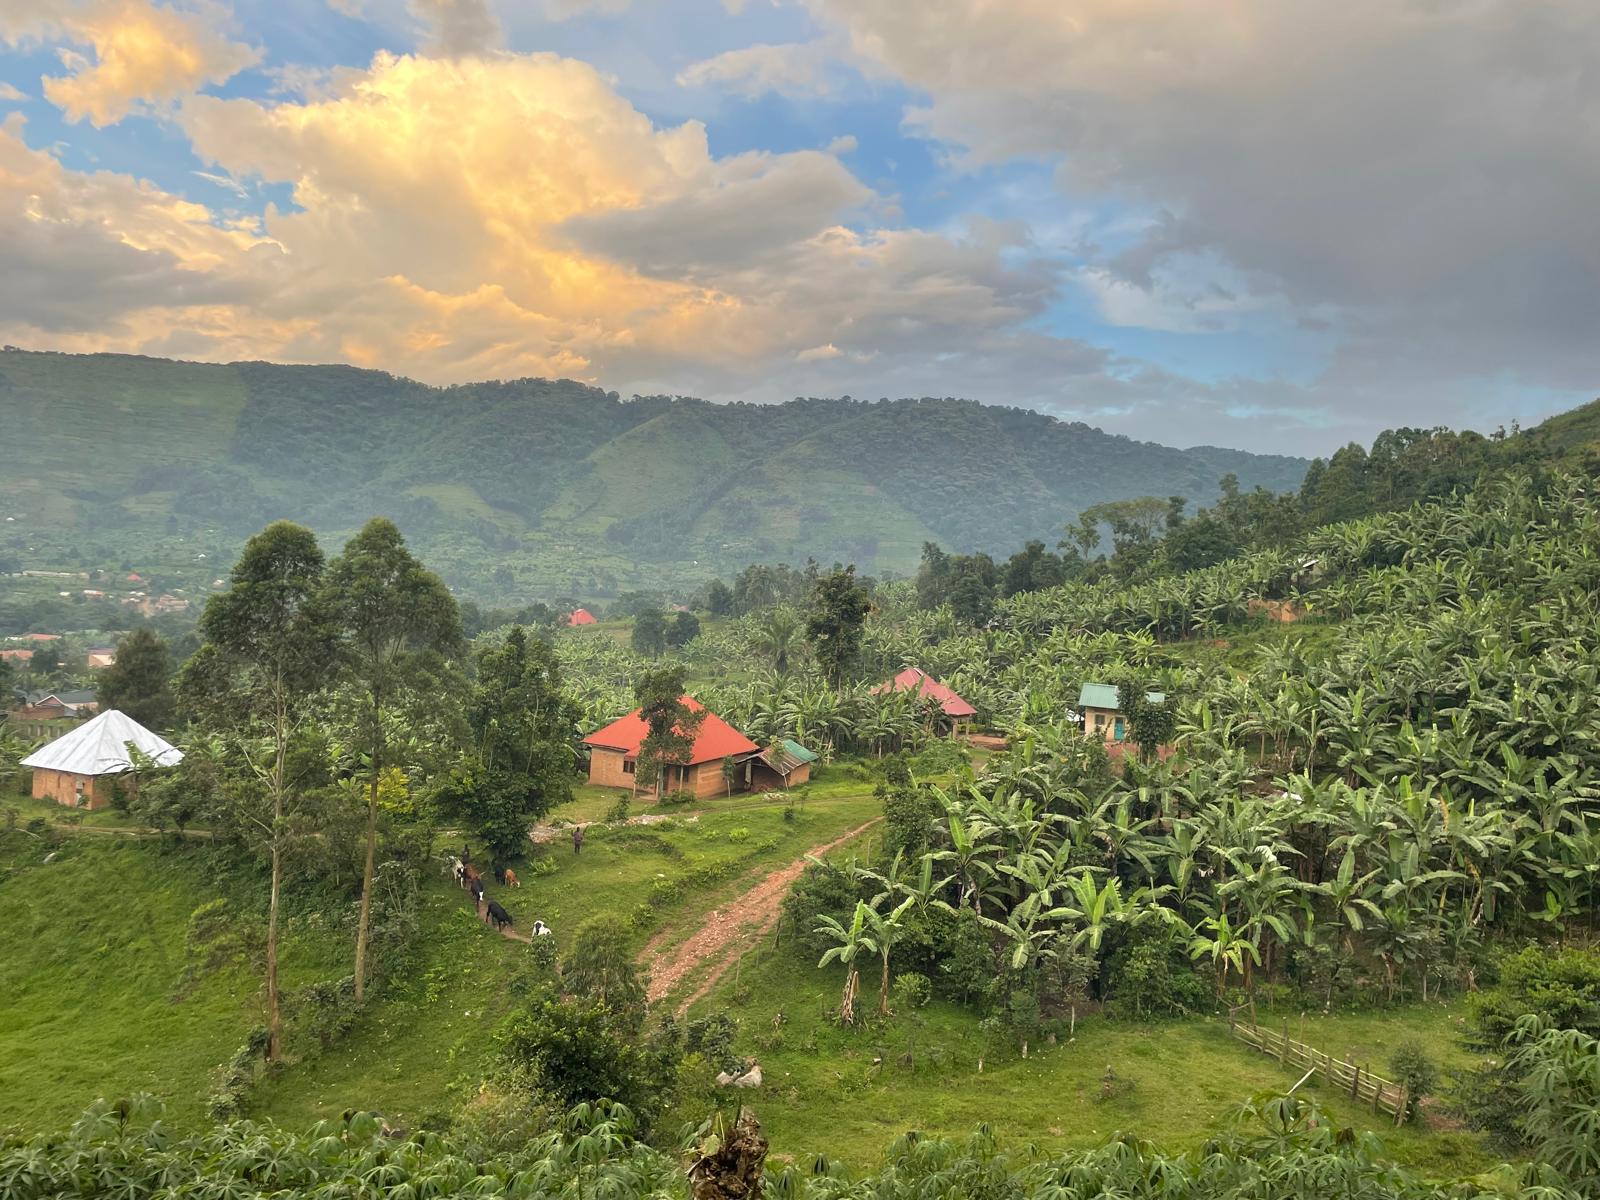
(74,791)
(606,768)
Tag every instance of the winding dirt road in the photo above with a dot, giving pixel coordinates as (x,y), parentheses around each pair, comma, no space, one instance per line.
(727,931)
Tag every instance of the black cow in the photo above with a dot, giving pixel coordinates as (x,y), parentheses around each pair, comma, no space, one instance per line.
(499,917)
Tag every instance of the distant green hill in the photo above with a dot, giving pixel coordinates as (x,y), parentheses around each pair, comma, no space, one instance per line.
(565,488)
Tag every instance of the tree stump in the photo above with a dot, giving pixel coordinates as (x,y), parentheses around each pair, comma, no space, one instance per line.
(730,1164)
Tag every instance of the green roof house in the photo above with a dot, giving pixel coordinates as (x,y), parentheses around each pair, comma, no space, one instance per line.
(1102,718)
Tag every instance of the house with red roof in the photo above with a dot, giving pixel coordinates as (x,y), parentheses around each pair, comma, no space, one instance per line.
(614,755)
(915,679)
(580,616)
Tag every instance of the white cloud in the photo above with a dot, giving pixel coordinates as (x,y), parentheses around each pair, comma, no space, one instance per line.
(142,52)
(792,69)
(10,94)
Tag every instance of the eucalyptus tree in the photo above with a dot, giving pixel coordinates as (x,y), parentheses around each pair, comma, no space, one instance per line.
(268,645)
(392,616)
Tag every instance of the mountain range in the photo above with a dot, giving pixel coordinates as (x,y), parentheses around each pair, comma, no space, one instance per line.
(551,486)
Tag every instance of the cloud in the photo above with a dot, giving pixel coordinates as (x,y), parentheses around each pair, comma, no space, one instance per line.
(458,218)
(84,253)
(1419,174)
(10,94)
(142,52)
(791,69)
(458,27)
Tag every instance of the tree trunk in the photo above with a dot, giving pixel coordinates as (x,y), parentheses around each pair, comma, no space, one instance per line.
(274,1015)
(883,989)
(364,923)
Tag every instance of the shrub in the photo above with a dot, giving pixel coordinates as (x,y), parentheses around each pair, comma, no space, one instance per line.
(822,890)
(1416,1072)
(712,1037)
(599,967)
(1561,989)
(620,808)
(1150,977)
(574,1053)
(966,961)
(328,1006)
(678,798)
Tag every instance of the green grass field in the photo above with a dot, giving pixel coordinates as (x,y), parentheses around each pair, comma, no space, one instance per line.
(91,950)
(848,1093)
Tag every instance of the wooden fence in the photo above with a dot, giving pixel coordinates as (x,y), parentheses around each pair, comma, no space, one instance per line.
(1360,1084)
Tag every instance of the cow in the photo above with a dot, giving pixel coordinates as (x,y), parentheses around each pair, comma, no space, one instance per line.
(540,929)
(470,877)
(511,879)
(458,872)
(498,917)
(499,874)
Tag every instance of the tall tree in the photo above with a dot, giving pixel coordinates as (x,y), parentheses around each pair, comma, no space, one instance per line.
(139,683)
(839,608)
(650,632)
(391,613)
(524,730)
(671,725)
(267,647)
(719,599)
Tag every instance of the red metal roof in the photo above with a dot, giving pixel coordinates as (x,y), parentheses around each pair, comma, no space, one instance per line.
(716,739)
(581,616)
(913,679)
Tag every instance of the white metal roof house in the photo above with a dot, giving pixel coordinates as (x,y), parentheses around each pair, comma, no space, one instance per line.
(77,768)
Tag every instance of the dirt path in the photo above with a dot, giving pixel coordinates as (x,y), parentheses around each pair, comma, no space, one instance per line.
(727,930)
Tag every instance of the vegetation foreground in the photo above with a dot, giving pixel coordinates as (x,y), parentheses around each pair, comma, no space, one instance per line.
(1379,822)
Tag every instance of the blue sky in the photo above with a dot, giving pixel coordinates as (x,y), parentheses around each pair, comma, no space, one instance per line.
(1262,228)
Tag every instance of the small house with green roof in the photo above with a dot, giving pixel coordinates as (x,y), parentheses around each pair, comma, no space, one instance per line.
(784,764)
(1103,717)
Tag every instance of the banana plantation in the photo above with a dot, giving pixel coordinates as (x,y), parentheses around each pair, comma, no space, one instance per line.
(1366,814)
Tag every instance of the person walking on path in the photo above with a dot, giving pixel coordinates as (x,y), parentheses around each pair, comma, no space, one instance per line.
(577,838)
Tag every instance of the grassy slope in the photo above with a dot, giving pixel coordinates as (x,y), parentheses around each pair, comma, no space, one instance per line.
(67,1035)
(91,949)
(828,1092)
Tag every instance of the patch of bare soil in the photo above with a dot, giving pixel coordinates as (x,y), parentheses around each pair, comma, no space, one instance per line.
(727,931)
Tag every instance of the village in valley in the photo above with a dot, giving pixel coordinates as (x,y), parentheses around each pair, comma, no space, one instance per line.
(812,600)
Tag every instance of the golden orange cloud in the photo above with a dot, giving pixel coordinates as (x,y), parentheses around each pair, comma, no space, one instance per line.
(142,52)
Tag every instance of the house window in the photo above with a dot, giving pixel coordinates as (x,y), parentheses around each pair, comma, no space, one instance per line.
(1099,722)
(628,767)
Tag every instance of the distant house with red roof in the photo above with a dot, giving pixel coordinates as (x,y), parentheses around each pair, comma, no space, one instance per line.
(614,755)
(580,616)
(914,679)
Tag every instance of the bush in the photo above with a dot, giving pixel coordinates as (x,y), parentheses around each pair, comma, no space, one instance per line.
(712,1037)
(1561,989)
(822,890)
(620,808)
(1150,977)
(328,1006)
(1416,1072)
(574,1053)
(678,798)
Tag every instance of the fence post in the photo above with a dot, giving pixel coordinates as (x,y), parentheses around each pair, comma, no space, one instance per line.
(1283,1050)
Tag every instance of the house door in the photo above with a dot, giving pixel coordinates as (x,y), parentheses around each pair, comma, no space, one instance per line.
(1116,729)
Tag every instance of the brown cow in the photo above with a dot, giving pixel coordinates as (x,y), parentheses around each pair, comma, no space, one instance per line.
(511,878)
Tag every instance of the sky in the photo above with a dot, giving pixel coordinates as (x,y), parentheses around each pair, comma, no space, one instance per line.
(1279,225)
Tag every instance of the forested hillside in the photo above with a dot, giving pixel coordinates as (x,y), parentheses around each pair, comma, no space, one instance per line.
(110,454)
